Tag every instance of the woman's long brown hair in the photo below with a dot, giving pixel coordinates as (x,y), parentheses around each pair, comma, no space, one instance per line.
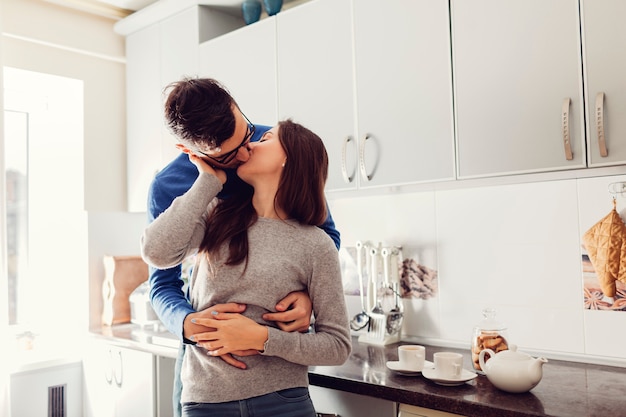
(300,194)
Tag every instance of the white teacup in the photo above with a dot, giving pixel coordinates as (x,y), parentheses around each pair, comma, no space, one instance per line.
(411,357)
(448,365)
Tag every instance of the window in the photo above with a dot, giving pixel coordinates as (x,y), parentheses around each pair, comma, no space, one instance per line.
(46,226)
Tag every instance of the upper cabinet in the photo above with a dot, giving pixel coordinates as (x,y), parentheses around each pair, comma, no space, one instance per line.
(518,86)
(245,62)
(315,79)
(156,55)
(403,91)
(604,36)
(379,93)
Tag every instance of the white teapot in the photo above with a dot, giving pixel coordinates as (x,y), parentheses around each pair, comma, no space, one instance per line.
(512,371)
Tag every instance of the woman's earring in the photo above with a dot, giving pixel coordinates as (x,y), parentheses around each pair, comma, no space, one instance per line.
(283,165)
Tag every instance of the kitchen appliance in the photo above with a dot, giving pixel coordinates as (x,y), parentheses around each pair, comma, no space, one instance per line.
(141,311)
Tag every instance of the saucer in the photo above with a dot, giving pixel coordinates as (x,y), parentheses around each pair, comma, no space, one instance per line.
(431,373)
(395,366)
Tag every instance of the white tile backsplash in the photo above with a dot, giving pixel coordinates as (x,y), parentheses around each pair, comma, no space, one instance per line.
(516,248)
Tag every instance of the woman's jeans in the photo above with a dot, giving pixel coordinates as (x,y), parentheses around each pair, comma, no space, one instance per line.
(292,402)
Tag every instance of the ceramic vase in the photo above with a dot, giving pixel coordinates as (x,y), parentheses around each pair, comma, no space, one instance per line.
(272,6)
(251,10)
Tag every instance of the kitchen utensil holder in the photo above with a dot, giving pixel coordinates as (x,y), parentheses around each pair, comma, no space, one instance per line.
(377,334)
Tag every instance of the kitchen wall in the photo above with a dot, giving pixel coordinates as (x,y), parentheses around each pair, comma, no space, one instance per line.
(514,247)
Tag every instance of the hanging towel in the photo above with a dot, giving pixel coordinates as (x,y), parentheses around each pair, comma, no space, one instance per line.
(606,246)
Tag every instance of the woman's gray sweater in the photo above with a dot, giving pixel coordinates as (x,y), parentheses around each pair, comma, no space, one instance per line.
(284,256)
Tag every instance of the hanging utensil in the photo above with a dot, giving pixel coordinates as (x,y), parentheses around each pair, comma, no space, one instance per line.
(394,316)
(377,315)
(362,319)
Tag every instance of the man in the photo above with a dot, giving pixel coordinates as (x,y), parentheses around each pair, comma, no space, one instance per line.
(207,122)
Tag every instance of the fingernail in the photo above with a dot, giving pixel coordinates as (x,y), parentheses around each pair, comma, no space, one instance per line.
(192,338)
(193,321)
(215,313)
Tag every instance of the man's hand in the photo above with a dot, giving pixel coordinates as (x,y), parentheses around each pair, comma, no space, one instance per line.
(293,312)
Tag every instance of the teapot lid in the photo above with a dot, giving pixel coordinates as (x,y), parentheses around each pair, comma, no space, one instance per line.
(489,321)
(512,354)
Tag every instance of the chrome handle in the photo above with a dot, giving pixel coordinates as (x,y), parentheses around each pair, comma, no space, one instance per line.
(362,166)
(119,376)
(344,169)
(108,370)
(600,124)
(565,129)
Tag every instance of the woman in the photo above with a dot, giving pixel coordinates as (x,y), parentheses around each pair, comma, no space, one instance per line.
(254,248)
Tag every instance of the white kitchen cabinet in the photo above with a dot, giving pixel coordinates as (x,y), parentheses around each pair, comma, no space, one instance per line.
(119,382)
(604,35)
(518,86)
(144,115)
(315,79)
(156,55)
(404,91)
(245,62)
(346,404)
(377,92)
(413,411)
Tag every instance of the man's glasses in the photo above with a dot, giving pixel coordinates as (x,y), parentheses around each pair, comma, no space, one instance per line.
(230,155)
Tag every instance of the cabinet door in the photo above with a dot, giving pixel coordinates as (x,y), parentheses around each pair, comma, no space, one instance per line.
(144,113)
(404,90)
(346,404)
(412,411)
(245,62)
(179,58)
(517,76)
(98,392)
(604,34)
(133,375)
(118,382)
(315,79)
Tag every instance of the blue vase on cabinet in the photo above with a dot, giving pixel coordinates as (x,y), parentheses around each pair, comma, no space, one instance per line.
(273,6)
(251,10)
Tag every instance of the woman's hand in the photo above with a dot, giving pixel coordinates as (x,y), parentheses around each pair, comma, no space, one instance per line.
(233,333)
(203,166)
(190,328)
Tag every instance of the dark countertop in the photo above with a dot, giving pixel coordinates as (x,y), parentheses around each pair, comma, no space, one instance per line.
(568,389)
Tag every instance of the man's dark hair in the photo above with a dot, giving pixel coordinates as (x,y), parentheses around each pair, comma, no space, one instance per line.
(199,111)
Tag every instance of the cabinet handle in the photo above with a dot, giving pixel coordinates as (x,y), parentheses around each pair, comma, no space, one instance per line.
(108,370)
(600,124)
(362,166)
(344,169)
(119,376)
(565,129)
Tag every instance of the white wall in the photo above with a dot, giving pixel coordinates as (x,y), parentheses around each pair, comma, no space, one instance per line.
(40,36)
(515,247)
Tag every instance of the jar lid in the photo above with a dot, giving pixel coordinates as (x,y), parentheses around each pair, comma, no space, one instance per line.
(489,321)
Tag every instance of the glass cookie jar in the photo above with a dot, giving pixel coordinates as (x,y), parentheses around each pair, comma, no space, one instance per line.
(488,334)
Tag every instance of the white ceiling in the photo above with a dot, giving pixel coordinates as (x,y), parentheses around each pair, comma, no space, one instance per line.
(129,4)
